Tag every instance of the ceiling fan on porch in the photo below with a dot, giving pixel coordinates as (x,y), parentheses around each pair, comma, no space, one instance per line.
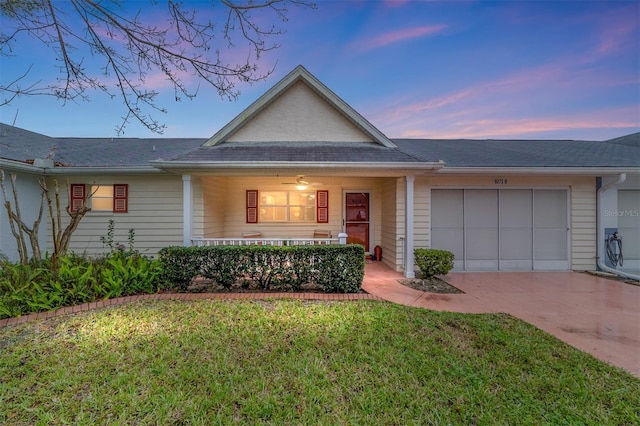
(302,183)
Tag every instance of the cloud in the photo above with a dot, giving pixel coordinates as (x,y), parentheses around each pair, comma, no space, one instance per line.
(618,31)
(393,37)
(614,121)
(488,108)
(395,3)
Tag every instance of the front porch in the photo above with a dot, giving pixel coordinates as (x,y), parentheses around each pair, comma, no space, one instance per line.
(217,212)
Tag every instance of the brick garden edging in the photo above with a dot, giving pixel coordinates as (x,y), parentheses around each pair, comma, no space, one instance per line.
(182,296)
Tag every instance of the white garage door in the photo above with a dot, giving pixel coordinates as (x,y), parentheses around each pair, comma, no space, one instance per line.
(502,229)
(629,227)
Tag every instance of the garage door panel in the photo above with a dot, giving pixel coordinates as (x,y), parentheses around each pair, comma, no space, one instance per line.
(516,244)
(550,233)
(482,244)
(451,240)
(481,208)
(550,209)
(447,208)
(481,229)
(515,208)
(549,246)
(516,235)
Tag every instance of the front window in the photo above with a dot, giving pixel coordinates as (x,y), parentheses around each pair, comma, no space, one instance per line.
(102,199)
(287,206)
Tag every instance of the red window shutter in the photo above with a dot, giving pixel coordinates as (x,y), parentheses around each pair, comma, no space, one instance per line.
(77,196)
(120,198)
(252,206)
(322,206)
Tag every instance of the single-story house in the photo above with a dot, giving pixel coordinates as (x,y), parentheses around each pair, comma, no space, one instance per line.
(301,163)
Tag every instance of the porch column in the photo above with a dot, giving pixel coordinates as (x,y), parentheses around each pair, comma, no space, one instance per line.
(408,226)
(187,210)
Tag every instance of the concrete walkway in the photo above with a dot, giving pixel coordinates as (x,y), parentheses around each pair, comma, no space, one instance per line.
(597,315)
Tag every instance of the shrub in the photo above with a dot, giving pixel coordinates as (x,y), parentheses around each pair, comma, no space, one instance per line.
(128,275)
(433,262)
(36,287)
(180,265)
(336,268)
(340,269)
(222,265)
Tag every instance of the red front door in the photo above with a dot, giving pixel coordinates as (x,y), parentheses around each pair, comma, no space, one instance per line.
(357,218)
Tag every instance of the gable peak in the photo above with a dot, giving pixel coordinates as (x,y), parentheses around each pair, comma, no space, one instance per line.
(300,74)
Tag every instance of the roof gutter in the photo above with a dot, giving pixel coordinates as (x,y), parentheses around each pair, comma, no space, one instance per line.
(576,171)
(45,167)
(622,177)
(75,171)
(19,166)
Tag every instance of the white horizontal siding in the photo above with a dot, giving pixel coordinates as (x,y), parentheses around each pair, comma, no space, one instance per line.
(155,215)
(389,235)
(422,216)
(583,225)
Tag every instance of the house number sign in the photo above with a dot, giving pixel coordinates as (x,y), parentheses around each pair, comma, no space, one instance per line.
(500,181)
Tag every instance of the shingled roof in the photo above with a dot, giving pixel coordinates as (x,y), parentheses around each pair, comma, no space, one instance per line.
(300,152)
(619,152)
(24,146)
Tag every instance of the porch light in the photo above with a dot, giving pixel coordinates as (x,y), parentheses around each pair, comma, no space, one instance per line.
(301,187)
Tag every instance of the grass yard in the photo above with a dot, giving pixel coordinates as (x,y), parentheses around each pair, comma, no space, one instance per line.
(296,362)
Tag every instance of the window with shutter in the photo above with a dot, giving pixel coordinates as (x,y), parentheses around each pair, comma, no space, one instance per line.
(120,198)
(322,206)
(77,196)
(252,206)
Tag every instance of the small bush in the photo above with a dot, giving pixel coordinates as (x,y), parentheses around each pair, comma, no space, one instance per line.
(433,262)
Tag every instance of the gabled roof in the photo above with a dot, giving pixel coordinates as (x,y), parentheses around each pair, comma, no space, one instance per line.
(300,74)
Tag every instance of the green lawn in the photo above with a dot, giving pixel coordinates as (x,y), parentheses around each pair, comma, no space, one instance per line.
(296,362)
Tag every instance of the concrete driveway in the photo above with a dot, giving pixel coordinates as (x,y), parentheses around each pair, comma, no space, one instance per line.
(597,315)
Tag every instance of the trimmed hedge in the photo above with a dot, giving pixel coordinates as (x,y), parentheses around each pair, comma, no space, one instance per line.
(335,268)
(433,261)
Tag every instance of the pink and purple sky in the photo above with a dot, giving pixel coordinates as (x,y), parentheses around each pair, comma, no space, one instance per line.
(558,69)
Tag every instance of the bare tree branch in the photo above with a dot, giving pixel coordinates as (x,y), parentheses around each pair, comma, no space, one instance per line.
(101,46)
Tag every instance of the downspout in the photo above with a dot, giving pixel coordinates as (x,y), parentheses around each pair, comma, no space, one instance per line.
(600,232)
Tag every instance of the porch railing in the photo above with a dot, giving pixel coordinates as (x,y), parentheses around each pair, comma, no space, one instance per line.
(202,242)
